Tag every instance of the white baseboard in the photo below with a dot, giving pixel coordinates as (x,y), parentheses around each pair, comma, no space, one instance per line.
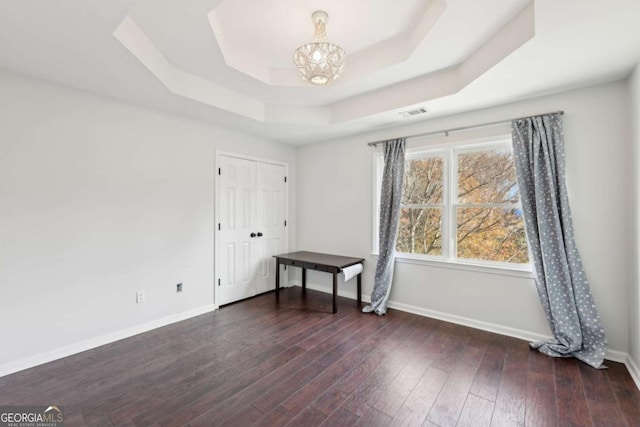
(477,324)
(634,371)
(616,356)
(485,326)
(472,323)
(68,350)
(39,359)
(613,355)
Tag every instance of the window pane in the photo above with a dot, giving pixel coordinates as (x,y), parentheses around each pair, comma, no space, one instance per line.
(491,234)
(487,177)
(423,181)
(420,231)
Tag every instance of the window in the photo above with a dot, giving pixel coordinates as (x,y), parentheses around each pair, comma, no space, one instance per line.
(423,198)
(460,203)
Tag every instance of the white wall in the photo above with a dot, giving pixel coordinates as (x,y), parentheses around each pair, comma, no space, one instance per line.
(335,215)
(99,199)
(634,300)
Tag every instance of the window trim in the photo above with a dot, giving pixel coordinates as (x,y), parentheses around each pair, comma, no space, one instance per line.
(449,151)
(515,270)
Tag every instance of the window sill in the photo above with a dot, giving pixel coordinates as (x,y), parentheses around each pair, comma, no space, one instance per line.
(524,272)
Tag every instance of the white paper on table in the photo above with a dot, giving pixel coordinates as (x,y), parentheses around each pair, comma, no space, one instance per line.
(352,271)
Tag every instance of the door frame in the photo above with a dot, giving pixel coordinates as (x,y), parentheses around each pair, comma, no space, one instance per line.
(216,215)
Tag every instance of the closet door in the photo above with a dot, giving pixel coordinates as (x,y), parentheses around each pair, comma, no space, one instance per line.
(237,206)
(270,216)
(251,226)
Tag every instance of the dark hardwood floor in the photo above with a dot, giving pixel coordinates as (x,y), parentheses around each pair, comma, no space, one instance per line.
(251,363)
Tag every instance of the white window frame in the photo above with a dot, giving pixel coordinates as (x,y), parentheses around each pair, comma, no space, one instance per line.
(449,152)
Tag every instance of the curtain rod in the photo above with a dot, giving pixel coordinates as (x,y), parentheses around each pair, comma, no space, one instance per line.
(446,132)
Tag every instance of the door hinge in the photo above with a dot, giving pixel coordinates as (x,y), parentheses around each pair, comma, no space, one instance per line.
(218,226)
(285,222)
(219,171)
(285,179)
(218,282)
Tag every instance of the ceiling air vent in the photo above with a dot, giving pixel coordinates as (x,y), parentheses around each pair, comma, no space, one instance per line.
(414,112)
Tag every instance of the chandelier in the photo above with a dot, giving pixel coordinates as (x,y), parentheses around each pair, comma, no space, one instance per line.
(319,62)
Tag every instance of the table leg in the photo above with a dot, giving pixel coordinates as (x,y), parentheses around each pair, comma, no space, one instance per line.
(335,292)
(359,289)
(304,279)
(277,279)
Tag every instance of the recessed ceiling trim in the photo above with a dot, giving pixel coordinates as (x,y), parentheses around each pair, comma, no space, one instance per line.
(183,83)
(513,35)
(396,50)
(239,59)
(446,82)
(381,55)
(393,97)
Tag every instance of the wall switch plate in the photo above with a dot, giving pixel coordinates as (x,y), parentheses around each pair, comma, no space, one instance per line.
(140,297)
(179,287)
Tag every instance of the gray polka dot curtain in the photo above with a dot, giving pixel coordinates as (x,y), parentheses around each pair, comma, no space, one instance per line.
(390,199)
(538,146)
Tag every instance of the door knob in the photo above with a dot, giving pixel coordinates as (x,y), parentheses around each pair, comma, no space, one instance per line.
(252,234)
(259,234)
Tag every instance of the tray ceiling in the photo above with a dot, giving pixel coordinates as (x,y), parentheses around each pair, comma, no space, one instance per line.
(229,62)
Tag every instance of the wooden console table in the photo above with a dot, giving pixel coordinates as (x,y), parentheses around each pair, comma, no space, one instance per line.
(319,262)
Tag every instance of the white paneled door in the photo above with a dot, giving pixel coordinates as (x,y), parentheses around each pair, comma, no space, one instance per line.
(251,226)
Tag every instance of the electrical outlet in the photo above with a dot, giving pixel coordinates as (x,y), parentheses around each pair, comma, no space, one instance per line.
(179,287)
(140,297)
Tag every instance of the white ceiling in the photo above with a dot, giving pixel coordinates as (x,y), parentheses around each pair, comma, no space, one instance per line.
(228,62)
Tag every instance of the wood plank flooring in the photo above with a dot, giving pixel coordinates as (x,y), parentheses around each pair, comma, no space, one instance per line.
(296,364)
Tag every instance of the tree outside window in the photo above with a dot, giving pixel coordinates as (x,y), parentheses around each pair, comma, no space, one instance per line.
(489,222)
(462,204)
(420,229)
